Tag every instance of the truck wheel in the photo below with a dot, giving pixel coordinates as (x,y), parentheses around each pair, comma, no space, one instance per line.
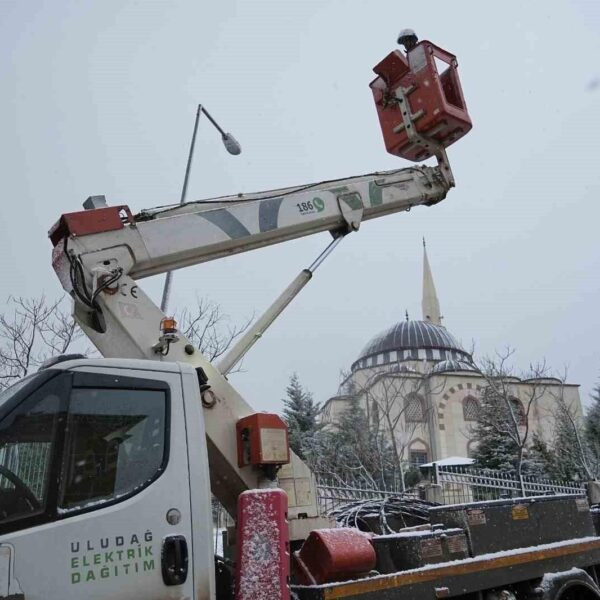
(578,592)
(574,584)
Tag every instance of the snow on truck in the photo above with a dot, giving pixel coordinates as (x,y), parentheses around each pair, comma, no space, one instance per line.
(107,465)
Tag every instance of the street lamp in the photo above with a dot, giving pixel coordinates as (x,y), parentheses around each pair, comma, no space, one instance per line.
(232,146)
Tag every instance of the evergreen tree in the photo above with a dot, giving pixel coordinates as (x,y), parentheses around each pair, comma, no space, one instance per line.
(564,459)
(413,477)
(592,429)
(571,455)
(300,413)
(495,449)
(355,451)
(496,437)
(543,457)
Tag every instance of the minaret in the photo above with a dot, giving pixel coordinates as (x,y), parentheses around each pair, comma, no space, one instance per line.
(430,303)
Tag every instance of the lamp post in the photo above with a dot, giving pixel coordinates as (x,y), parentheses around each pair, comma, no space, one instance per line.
(232,146)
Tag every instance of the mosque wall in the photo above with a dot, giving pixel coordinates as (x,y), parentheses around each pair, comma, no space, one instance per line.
(445,426)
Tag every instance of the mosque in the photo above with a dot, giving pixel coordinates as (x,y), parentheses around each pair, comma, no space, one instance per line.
(418,383)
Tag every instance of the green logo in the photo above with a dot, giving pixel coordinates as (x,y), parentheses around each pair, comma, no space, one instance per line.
(318,204)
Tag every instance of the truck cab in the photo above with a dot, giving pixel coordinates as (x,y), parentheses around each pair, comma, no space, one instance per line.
(104,485)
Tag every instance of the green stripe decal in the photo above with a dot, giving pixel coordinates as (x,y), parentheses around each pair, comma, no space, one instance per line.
(375,194)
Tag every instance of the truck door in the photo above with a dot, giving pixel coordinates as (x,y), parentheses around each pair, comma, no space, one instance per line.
(94,488)
(4,571)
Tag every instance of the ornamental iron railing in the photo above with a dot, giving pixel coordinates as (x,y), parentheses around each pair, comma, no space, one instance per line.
(444,484)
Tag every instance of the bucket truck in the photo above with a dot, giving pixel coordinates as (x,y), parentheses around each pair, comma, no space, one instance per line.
(144,468)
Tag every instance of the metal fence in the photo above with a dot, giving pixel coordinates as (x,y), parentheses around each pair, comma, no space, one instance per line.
(332,493)
(468,484)
(455,485)
(29,462)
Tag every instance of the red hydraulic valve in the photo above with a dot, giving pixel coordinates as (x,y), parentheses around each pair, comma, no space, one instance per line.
(262,439)
(419,101)
(334,555)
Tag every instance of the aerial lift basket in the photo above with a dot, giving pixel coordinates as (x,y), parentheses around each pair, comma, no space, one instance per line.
(419,101)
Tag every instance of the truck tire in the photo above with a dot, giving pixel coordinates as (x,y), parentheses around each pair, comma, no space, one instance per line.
(574,584)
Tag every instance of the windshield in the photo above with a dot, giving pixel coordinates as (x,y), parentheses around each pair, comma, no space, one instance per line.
(9,392)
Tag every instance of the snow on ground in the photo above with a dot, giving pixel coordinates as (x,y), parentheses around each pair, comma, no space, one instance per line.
(451,461)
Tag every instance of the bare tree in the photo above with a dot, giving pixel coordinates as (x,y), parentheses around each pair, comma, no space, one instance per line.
(503,412)
(35,329)
(31,331)
(209,329)
(397,405)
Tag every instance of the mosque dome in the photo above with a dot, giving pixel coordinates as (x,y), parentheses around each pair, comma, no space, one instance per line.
(453,366)
(409,341)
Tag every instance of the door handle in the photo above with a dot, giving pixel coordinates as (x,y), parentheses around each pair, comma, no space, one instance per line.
(174,560)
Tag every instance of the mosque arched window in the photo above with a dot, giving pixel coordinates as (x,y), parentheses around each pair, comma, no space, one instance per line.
(414,409)
(518,411)
(470,407)
(418,453)
(471,448)
(418,458)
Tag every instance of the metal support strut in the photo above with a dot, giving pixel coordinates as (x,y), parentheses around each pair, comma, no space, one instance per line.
(235,355)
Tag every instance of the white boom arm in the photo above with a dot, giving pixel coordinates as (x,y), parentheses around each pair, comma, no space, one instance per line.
(100,253)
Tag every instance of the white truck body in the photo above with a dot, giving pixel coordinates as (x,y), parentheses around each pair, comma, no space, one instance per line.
(113,551)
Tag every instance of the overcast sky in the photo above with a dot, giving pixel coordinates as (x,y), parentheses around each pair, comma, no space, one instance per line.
(100,97)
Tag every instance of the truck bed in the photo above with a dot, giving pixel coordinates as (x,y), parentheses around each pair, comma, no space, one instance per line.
(447,580)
